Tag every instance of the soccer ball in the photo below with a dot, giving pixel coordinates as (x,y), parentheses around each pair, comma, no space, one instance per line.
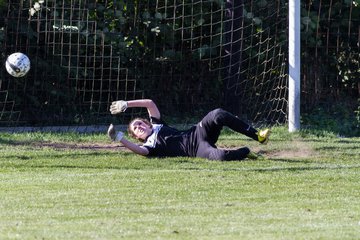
(17,64)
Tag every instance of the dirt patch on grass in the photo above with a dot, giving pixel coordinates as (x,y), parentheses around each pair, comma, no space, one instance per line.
(294,149)
(83,146)
(71,145)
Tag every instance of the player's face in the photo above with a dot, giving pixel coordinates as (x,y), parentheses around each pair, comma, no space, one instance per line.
(140,129)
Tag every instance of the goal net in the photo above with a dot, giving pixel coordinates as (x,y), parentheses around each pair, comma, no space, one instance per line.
(189,56)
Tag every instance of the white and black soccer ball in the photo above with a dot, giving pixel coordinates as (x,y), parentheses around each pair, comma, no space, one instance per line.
(17,64)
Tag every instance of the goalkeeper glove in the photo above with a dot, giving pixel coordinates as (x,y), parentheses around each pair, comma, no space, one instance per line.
(113,135)
(118,107)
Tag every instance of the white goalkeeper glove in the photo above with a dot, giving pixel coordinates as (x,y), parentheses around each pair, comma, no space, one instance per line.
(118,107)
(113,135)
(119,136)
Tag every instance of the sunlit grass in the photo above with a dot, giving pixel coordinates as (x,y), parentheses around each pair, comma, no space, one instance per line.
(79,186)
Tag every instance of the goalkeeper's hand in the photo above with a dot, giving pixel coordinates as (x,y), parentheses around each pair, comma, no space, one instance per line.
(118,107)
(113,134)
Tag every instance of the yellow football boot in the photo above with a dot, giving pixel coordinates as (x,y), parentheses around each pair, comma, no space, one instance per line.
(252,155)
(263,136)
(255,156)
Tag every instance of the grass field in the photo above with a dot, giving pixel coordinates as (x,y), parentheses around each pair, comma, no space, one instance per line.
(74,186)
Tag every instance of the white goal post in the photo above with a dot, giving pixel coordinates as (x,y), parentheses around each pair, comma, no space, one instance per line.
(294,65)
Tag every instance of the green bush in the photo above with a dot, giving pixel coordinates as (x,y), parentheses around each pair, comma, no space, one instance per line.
(340,118)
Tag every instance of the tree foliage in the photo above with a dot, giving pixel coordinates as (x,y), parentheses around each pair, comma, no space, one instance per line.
(173,55)
(330,49)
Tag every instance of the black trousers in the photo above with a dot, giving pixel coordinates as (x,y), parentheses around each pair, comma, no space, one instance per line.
(208,130)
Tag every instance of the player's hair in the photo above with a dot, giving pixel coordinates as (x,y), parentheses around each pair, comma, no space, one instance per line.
(131,133)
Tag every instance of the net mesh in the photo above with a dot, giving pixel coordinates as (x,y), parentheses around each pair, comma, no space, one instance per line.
(189,56)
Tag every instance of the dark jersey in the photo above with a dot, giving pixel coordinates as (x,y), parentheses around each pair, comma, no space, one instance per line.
(200,140)
(166,141)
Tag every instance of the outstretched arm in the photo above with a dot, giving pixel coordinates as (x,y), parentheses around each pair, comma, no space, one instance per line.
(119,136)
(148,104)
(134,147)
(121,106)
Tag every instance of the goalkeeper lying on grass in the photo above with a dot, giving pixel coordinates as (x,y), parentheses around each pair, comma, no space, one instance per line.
(160,140)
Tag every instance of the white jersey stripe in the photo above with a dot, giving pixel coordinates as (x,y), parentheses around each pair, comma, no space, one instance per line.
(151,140)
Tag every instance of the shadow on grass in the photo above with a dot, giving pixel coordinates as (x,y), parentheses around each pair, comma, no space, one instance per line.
(64,155)
(336,148)
(63,145)
(294,169)
(160,166)
(291,160)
